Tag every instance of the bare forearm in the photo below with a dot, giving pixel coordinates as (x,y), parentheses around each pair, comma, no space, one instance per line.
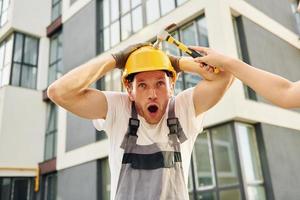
(270,86)
(77,80)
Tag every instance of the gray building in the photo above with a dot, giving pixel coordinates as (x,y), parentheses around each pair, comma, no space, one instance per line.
(249,148)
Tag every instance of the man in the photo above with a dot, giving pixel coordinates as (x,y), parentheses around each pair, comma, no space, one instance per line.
(276,89)
(151,159)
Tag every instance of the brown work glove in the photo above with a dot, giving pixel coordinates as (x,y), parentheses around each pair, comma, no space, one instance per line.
(121,56)
(175,62)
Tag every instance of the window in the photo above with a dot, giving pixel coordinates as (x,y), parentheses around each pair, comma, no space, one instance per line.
(56,9)
(295,5)
(5,60)
(194,33)
(103,179)
(51,131)
(4,4)
(250,161)
(118,19)
(55,67)
(50,187)
(16,188)
(243,53)
(222,156)
(25,57)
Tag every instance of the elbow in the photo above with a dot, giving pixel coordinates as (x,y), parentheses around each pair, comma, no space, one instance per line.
(53,93)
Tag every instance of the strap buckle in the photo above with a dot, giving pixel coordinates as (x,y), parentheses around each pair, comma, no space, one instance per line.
(133,126)
(173,125)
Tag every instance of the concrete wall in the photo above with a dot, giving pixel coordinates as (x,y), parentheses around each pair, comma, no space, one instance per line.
(268,52)
(78,183)
(279,10)
(282,151)
(79,39)
(22,127)
(31,16)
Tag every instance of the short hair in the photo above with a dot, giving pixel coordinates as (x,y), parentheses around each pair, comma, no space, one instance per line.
(130,77)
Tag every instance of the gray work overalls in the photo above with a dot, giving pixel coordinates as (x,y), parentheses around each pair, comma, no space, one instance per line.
(152,172)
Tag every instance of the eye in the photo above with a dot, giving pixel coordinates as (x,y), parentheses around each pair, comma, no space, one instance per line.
(160,83)
(142,85)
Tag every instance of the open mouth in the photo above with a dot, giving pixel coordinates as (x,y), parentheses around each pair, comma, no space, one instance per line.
(152,108)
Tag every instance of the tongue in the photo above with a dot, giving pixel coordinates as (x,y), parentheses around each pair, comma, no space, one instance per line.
(152,109)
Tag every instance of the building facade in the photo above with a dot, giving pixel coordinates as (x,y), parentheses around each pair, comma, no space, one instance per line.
(248,149)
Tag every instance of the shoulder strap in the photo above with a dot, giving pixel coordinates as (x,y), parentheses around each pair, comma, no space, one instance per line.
(173,122)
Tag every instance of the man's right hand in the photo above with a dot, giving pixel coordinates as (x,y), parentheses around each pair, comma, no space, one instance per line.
(121,56)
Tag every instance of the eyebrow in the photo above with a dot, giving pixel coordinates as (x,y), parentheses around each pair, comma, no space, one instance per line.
(143,80)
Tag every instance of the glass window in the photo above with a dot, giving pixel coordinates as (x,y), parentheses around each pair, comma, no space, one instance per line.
(50,187)
(115,33)
(56,9)
(114,9)
(251,165)
(104,179)
(202,28)
(20,188)
(105,12)
(137,19)
(30,53)
(204,165)
(4,5)
(167,6)
(125,6)
(134,3)
(5,60)
(118,19)
(51,131)
(29,74)
(55,66)
(230,194)
(126,26)
(295,5)
(24,72)
(106,39)
(226,165)
(5,187)
(152,10)
(179,2)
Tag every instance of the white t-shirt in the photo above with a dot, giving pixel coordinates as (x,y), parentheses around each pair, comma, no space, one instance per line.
(116,124)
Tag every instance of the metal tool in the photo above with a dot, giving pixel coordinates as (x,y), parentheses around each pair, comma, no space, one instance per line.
(164,35)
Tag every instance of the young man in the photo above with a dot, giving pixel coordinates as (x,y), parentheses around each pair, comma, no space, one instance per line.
(276,89)
(150,160)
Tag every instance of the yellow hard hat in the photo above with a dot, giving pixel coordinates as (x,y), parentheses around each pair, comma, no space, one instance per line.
(147,58)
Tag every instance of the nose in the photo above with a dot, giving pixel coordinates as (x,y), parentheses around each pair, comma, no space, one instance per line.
(152,94)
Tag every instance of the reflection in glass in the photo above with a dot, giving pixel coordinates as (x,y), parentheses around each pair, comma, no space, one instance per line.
(203,163)
(202,27)
(249,151)
(230,194)
(115,33)
(126,26)
(167,6)
(224,155)
(105,11)
(152,10)
(256,193)
(137,19)
(114,9)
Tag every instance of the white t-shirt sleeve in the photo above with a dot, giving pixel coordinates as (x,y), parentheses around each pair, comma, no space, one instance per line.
(115,103)
(184,108)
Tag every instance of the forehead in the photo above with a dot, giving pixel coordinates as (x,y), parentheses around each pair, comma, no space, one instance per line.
(150,75)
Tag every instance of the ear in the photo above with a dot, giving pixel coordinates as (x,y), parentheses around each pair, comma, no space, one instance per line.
(129,92)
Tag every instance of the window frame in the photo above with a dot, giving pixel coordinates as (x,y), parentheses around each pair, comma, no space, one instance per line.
(100,27)
(58,58)
(51,107)
(22,63)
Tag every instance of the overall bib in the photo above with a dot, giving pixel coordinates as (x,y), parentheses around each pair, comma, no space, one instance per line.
(152,172)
